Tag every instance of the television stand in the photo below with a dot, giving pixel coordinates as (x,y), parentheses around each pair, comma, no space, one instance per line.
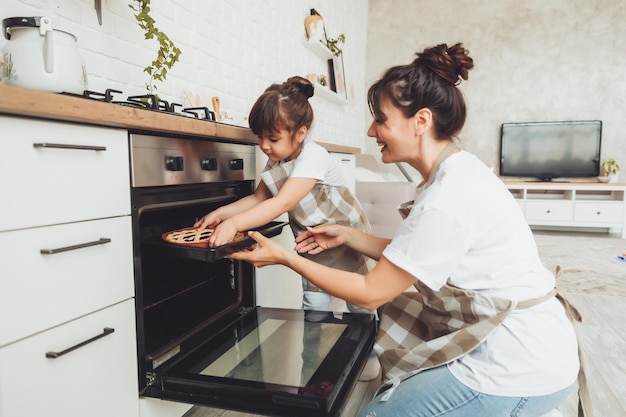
(588,206)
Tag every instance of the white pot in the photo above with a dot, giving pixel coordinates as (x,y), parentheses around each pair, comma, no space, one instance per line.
(614,178)
(40,57)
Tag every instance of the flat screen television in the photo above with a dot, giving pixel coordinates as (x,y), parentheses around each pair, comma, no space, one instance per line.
(549,150)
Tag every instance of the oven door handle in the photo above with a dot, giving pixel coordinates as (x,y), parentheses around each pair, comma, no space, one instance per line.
(105,331)
(64,146)
(100,241)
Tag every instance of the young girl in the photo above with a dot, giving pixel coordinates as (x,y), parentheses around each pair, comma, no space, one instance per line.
(300,178)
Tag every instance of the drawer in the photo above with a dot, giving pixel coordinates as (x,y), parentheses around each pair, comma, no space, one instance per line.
(549,211)
(98,379)
(52,185)
(599,212)
(38,291)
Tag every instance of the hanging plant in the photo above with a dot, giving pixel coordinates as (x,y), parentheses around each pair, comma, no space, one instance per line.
(335,45)
(168,53)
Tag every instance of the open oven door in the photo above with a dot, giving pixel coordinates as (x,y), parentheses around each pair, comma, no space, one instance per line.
(272,361)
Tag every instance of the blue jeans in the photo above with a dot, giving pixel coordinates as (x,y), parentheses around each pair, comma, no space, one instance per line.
(320,301)
(437,393)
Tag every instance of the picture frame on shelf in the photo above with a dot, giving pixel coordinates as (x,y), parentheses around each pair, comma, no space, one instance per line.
(338,76)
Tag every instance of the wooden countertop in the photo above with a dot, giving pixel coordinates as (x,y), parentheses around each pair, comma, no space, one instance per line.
(25,102)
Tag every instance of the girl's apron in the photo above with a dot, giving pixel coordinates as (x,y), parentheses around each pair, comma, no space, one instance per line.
(425,329)
(324,204)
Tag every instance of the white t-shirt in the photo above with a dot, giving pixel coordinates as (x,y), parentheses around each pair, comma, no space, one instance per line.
(314,161)
(467,230)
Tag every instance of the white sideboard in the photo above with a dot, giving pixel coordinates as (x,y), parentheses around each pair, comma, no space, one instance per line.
(573,205)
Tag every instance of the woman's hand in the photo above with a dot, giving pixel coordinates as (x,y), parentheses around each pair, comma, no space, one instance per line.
(316,239)
(265,252)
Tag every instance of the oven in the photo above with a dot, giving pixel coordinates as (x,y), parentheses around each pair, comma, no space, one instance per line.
(201,337)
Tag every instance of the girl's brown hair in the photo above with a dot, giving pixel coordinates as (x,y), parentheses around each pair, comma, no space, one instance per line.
(283,106)
(430,81)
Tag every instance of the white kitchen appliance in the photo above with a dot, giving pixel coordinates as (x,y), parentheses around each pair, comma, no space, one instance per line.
(40,57)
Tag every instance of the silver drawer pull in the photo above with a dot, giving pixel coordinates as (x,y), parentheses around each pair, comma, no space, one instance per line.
(106,331)
(100,241)
(64,146)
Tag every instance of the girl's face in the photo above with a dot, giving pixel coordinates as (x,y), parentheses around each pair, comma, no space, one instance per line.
(280,146)
(394,133)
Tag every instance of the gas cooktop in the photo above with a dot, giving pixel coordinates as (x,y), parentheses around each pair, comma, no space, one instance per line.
(148,102)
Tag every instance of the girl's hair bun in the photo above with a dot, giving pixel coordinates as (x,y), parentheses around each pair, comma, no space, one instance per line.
(302,85)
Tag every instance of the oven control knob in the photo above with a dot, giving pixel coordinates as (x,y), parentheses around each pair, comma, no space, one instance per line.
(236,164)
(209,164)
(174,163)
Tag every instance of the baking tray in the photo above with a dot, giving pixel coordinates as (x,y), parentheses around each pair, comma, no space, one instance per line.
(157,246)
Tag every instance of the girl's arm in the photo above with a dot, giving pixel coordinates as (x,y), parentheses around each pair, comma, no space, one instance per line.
(264,212)
(222,213)
(381,285)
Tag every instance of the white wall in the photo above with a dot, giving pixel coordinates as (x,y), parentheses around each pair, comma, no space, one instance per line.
(535,60)
(233,49)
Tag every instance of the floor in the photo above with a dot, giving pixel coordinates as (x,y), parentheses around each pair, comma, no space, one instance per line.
(602,334)
(603,339)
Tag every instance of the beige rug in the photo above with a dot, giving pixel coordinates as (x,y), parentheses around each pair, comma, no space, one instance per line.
(588,260)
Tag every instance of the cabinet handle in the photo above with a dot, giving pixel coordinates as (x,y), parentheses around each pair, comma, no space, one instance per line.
(64,146)
(105,331)
(100,241)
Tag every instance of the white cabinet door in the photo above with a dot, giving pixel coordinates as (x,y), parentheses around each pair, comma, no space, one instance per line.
(98,379)
(593,212)
(38,290)
(547,212)
(45,181)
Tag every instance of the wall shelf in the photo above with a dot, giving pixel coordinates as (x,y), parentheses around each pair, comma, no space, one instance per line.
(328,94)
(322,51)
(319,49)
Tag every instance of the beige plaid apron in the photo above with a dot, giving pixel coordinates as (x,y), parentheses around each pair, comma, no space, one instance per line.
(425,329)
(324,204)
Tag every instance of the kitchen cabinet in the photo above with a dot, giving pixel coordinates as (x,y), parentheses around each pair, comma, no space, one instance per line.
(67,326)
(587,206)
(95,380)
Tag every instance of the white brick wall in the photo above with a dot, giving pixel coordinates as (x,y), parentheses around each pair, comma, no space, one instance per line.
(233,49)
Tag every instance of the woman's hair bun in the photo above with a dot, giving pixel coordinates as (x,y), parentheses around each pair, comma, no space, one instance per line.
(450,63)
(303,85)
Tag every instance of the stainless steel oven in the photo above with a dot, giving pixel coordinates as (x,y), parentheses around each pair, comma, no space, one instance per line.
(201,337)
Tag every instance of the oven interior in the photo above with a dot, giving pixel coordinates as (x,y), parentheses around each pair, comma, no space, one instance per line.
(179,297)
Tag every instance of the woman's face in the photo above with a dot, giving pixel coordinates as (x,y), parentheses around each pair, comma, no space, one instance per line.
(393,133)
(280,146)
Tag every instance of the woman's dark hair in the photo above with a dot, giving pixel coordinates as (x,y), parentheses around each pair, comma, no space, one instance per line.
(283,106)
(430,81)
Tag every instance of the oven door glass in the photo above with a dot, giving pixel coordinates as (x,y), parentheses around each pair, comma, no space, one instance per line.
(274,361)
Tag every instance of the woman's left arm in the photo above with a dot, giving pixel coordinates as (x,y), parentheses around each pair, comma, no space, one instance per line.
(385,282)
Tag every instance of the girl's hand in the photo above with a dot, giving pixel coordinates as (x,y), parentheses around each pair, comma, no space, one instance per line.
(209,221)
(224,233)
(316,239)
(265,252)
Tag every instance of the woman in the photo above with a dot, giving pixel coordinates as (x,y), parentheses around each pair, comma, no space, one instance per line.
(484,335)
